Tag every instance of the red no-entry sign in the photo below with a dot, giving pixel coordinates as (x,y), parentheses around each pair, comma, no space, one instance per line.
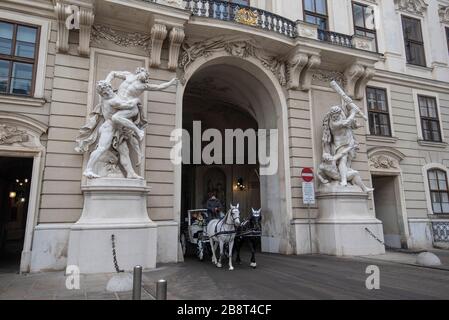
(307,174)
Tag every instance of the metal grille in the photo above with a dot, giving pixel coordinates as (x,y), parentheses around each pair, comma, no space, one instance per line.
(440,231)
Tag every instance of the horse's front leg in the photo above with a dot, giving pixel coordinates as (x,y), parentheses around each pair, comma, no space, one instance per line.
(238,245)
(231,245)
(253,263)
(221,243)
(212,248)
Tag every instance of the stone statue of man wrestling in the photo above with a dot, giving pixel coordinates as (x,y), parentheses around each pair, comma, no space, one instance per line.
(117,123)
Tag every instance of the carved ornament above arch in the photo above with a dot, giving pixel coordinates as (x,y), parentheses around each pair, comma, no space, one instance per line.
(385,159)
(17,130)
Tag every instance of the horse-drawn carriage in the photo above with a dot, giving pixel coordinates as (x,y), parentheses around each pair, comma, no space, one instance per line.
(193,233)
(202,238)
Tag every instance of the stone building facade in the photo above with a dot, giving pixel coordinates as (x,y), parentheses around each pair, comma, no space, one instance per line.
(267,66)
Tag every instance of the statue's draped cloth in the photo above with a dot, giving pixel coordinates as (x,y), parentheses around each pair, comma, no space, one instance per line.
(90,131)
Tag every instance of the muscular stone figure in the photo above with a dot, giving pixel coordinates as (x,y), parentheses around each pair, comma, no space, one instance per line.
(109,103)
(339,149)
(117,122)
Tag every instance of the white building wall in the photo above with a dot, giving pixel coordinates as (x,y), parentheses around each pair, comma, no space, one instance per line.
(65,98)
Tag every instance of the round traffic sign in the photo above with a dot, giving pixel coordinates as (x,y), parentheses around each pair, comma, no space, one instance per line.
(307,174)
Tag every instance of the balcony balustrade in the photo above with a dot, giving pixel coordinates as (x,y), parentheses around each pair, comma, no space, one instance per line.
(254,17)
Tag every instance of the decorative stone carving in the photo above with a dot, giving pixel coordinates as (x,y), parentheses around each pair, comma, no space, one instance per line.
(117,123)
(383,162)
(172,3)
(10,135)
(443,11)
(121,38)
(385,159)
(86,19)
(364,43)
(246,16)
(307,30)
(299,65)
(411,6)
(357,76)
(158,35)
(62,12)
(176,38)
(340,146)
(234,46)
(328,76)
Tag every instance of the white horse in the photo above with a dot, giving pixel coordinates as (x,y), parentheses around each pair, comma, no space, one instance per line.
(223,231)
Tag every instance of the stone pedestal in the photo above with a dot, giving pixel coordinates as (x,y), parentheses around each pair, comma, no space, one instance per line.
(344,215)
(113,206)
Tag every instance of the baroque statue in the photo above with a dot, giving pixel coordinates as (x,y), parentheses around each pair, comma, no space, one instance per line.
(116,125)
(339,144)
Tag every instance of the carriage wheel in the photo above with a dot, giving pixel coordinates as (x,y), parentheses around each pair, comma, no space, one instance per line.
(183,244)
(200,250)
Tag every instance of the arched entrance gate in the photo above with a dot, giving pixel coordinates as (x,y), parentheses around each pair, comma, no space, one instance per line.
(223,90)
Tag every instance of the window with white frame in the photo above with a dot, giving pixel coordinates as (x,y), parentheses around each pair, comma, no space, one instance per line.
(315,12)
(413,40)
(363,16)
(378,112)
(439,191)
(18,57)
(430,122)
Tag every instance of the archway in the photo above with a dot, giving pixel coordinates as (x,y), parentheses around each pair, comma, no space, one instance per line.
(229,92)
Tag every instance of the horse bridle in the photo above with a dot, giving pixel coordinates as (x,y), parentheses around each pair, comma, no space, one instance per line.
(231,212)
(225,218)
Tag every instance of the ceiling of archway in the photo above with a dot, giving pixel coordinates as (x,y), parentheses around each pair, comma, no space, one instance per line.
(225,92)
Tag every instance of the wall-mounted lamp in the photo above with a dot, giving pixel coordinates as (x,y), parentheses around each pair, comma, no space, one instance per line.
(240,184)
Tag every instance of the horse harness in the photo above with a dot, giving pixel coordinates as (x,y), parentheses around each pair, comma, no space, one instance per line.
(218,233)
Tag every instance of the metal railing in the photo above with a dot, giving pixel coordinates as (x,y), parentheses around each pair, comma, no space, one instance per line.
(336,38)
(440,231)
(250,16)
(228,11)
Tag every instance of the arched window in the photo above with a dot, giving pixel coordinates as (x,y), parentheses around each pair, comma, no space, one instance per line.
(439,191)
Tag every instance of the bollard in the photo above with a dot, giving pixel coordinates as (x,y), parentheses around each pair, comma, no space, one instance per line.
(137,282)
(161,290)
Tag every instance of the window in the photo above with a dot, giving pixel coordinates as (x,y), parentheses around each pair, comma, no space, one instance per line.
(379,117)
(363,16)
(18,52)
(315,11)
(430,122)
(447,38)
(439,192)
(414,43)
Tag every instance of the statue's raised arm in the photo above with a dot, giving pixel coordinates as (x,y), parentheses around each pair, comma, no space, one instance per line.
(162,86)
(117,74)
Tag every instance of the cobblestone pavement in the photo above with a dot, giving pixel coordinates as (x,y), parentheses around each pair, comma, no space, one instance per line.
(276,277)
